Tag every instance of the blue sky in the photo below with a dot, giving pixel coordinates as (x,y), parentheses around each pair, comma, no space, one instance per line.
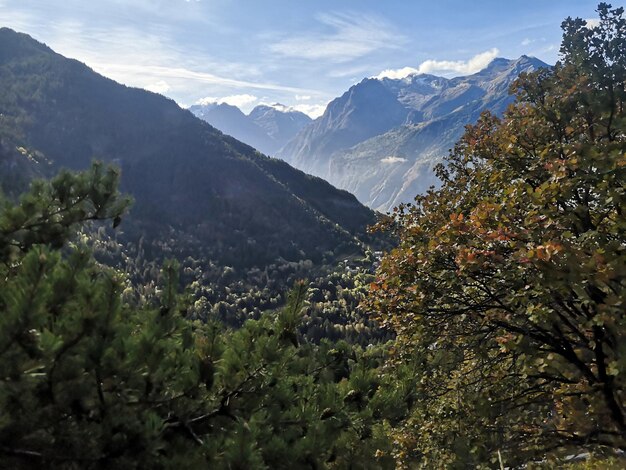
(296,52)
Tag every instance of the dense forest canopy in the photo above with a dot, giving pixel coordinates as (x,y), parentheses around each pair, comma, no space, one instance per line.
(501,310)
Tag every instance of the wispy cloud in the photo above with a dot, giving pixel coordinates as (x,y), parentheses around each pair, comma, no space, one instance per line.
(131,70)
(392,159)
(151,62)
(233,100)
(352,72)
(148,11)
(156,61)
(527,41)
(444,67)
(18,20)
(346,37)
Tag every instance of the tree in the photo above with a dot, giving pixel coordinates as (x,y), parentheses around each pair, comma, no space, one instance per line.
(507,288)
(88,380)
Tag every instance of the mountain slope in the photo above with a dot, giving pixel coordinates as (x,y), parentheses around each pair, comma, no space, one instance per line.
(266,128)
(232,121)
(383,137)
(280,123)
(347,121)
(191,183)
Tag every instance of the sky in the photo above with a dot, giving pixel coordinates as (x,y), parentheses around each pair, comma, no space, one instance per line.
(301,53)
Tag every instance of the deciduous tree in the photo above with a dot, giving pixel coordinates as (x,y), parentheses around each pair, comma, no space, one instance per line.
(507,291)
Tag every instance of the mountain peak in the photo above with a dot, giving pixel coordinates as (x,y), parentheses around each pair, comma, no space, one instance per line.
(206,108)
(267,127)
(498,61)
(383,137)
(530,61)
(212,103)
(496,65)
(273,106)
(502,65)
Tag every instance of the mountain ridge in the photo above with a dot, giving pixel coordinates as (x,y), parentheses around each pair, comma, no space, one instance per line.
(186,177)
(267,127)
(389,163)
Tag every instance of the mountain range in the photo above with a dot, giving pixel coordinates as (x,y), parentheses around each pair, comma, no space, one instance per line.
(383,137)
(267,128)
(196,190)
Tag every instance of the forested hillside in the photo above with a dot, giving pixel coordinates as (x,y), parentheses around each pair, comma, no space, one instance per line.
(219,197)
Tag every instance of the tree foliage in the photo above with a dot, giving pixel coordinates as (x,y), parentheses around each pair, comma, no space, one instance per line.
(89,380)
(507,289)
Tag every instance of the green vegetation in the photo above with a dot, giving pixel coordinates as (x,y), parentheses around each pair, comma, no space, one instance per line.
(91,381)
(507,289)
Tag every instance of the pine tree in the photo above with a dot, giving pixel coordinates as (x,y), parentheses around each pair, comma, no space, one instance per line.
(90,381)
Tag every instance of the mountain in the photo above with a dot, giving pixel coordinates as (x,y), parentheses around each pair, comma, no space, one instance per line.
(267,128)
(232,121)
(382,138)
(197,191)
(281,123)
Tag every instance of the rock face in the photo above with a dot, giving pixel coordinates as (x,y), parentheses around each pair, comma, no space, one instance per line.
(267,128)
(191,183)
(279,122)
(382,138)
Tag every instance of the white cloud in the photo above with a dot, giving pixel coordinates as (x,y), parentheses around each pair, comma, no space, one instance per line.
(278,106)
(393,160)
(527,41)
(397,74)
(473,65)
(128,73)
(303,97)
(444,67)
(233,100)
(161,87)
(592,22)
(207,100)
(312,110)
(347,37)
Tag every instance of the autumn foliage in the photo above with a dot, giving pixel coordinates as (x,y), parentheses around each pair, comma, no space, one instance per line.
(507,288)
